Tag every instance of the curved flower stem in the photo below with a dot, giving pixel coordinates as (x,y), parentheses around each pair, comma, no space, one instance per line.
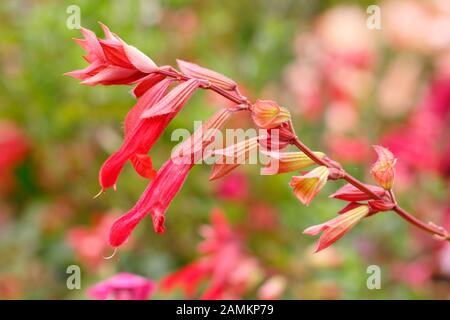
(435,230)
(431,228)
(225,94)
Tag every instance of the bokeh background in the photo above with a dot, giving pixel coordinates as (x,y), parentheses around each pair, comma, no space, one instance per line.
(347,87)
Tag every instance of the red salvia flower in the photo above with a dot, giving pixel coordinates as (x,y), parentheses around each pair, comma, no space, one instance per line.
(111,60)
(168,181)
(145,131)
(155,200)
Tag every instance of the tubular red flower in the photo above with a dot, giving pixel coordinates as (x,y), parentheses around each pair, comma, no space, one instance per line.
(336,228)
(174,101)
(161,191)
(350,193)
(111,60)
(140,135)
(155,200)
(213,77)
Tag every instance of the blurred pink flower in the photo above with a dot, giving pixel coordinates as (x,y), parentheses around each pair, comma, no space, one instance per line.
(339,47)
(142,132)
(272,288)
(355,149)
(444,260)
(417,25)
(123,286)
(234,186)
(415,274)
(90,242)
(417,144)
(262,216)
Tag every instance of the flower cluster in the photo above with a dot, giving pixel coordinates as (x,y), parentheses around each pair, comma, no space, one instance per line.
(162,91)
(113,61)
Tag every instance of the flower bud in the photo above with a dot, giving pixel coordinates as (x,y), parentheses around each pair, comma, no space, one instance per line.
(281,162)
(383,169)
(350,193)
(268,114)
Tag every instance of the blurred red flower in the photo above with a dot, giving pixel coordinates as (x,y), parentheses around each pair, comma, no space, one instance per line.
(14,145)
(229,271)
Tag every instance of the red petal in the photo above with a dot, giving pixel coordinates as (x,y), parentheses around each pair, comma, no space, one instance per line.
(146,83)
(214,77)
(351,193)
(143,165)
(155,199)
(139,138)
(348,207)
(173,101)
(115,54)
(158,90)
